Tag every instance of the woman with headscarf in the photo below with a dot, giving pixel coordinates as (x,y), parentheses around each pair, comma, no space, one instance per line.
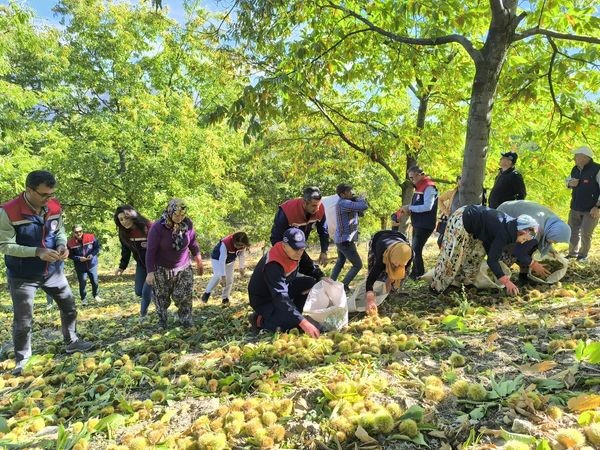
(389,256)
(551,231)
(133,235)
(474,232)
(171,240)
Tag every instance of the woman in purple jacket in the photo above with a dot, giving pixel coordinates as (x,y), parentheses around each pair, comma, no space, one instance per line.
(171,241)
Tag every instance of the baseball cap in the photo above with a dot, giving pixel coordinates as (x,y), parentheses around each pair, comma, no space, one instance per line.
(294,237)
(510,155)
(583,150)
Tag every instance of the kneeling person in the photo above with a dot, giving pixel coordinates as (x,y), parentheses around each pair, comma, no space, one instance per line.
(277,293)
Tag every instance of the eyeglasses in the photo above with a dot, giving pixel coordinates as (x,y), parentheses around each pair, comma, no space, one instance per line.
(78,231)
(45,196)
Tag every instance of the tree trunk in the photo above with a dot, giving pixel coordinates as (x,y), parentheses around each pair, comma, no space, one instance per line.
(487,72)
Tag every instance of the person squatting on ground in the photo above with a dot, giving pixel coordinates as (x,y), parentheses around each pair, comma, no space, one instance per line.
(83,250)
(476,231)
(171,240)
(423,216)
(277,292)
(347,211)
(304,213)
(585,202)
(551,231)
(133,235)
(509,184)
(33,241)
(222,261)
(389,258)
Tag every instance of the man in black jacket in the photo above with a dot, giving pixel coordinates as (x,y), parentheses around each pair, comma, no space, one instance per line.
(509,184)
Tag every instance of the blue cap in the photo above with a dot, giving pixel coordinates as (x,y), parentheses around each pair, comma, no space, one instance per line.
(294,237)
(510,155)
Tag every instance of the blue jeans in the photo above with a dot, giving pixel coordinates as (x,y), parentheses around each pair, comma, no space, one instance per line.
(347,251)
(419,239)
(142,289)
(82,278)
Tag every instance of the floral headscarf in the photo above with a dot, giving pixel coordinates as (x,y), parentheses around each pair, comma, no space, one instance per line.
(178,229)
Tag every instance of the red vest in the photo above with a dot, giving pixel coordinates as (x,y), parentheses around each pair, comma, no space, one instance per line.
(423,184)
(18,210)
(86,239)
(296,215)
(277,254)
(228,241)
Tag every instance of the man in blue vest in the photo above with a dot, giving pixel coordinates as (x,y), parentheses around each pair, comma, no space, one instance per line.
(585,202)
(83,250)
(33,241)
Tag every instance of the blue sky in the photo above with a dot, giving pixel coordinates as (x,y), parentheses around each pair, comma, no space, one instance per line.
(174,8)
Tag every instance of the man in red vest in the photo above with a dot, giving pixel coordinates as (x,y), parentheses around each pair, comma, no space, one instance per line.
(83,250)
(33,241)
(304,213)
(277,293)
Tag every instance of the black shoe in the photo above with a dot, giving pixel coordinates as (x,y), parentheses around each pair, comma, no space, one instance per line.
(225,302)
(205,296)
(571,256)
(79,346)
(187,323)
(253,318)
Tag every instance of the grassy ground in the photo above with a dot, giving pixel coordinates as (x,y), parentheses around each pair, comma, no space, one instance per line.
(462,370)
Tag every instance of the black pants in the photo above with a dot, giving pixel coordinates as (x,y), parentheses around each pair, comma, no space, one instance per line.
(419,239)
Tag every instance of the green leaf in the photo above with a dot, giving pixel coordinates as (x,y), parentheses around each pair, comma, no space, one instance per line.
(525,438)
(453,322)
(530,351)
(4,428)
(414,412)
(543,445)
(591,353)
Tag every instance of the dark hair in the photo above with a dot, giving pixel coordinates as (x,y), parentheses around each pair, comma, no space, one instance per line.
(77,225)
(139,221)
(311,193)
(342,188)
(416,169)
(241,237)
(37,177)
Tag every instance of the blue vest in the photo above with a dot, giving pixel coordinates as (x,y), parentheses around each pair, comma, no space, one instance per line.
(32,230)
(427,219)
(585,196)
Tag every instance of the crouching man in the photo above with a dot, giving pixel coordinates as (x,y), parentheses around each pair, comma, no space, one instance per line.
(277,293)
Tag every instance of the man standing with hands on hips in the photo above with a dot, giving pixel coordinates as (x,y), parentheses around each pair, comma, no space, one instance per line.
(585,202)
(33,240)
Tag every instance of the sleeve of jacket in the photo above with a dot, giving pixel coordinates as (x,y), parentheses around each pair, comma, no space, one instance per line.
(375,271)
(280,224)
(193,245)
(95,247)
(8,241)
(494,254)
(125,256)
(357,205)
(152,250)
(323,231)
(278,288)
(521,190)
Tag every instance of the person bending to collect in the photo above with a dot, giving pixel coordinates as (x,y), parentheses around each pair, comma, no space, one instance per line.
(277,292)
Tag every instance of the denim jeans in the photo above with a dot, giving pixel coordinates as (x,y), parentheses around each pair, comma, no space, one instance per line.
(142,289)
(82,278)
(347,251)
(419,239)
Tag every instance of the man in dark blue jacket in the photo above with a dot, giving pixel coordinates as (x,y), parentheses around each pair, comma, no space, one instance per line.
(83,250)
(509,184)
(277,293)
(32,238)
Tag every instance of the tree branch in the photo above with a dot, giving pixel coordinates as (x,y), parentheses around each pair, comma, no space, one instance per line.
(342,39)
(555,34)
(441,40)
(550,85)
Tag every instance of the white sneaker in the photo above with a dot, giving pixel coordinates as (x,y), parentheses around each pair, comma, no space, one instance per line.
(97,299)
(84,302)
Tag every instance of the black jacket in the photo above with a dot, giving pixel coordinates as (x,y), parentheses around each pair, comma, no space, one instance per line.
(509,185)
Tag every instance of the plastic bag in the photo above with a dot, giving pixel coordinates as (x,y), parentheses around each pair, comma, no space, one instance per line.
(330,203)
(554,276)
(326,303)
(357,302)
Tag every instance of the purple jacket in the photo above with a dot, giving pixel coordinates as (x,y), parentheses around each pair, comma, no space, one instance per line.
(160,251)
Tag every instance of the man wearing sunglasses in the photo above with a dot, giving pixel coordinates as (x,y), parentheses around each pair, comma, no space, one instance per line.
(33,241)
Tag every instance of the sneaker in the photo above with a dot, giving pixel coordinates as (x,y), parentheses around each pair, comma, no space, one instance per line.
(225,302)
(205,296)
(187,323)
(84,301)
(79,346)
(18,370)
(97,299)
(582,259)
(571,256)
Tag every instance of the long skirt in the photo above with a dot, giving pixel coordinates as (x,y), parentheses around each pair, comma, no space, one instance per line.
(460,256)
